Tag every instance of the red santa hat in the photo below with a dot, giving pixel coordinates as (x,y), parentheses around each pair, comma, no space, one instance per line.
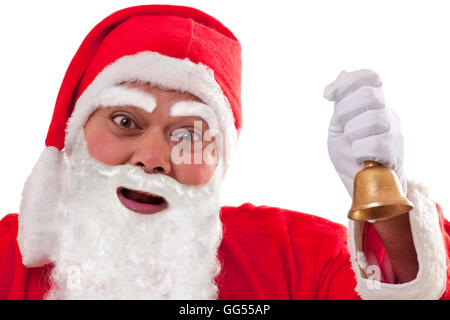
(172,47)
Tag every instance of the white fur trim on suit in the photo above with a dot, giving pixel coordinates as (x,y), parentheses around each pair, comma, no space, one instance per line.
(40,211)
(431,279)
(162,71)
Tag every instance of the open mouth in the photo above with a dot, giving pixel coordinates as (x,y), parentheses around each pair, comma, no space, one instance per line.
(142,202)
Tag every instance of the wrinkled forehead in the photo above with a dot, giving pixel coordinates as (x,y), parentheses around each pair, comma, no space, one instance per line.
(147,97)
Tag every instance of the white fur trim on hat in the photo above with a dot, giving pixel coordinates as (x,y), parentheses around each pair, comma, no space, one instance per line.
(162,71)
(431,279)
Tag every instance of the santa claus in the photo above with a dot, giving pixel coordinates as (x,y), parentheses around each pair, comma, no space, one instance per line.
(124,202)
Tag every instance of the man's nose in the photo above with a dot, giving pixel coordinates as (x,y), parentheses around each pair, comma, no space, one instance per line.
(152,153)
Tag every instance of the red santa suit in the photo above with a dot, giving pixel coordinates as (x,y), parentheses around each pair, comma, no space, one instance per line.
(266,253)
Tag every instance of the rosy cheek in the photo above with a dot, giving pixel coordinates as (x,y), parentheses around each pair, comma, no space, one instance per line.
(193,174)
(106,147)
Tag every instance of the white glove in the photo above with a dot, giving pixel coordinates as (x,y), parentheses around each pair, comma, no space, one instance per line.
(362,127)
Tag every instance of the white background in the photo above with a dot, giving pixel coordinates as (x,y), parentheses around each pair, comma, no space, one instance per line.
(291,51)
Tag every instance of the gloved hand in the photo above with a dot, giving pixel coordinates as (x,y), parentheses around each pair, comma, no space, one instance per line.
(362,127)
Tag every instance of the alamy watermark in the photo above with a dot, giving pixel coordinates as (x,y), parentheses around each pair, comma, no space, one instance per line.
(199,147)
(373,272)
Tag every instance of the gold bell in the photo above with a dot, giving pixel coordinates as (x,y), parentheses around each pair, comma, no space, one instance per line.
(377,194)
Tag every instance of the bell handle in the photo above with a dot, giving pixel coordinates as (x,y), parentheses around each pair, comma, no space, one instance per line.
(371,163)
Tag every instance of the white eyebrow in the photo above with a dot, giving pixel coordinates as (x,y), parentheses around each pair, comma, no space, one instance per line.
(195,108)
(126,96)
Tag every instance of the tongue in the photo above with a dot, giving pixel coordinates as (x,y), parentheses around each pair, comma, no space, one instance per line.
(141,203)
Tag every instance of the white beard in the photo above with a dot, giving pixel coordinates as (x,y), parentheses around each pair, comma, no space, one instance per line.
(110,252)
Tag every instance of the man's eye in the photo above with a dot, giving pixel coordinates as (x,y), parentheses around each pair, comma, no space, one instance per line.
(186,136)
(124,122)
